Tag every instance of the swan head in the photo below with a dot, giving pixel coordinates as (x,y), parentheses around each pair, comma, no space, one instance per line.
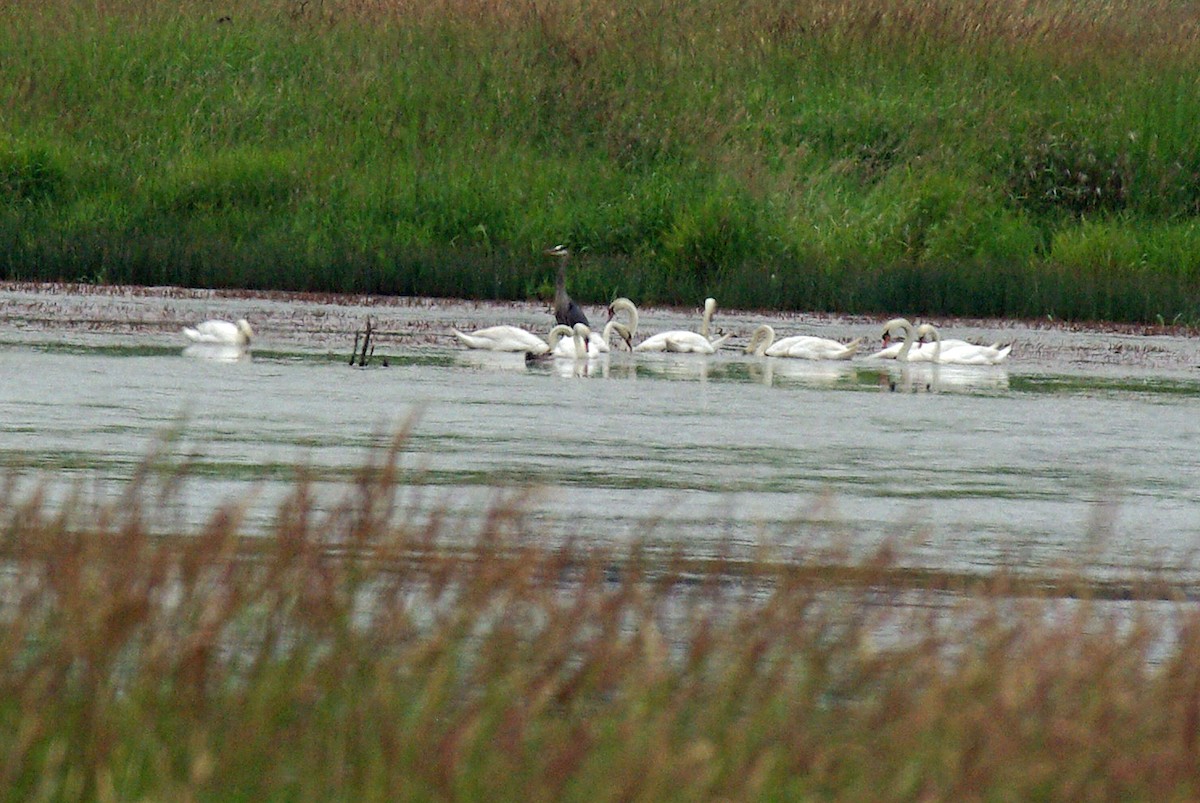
(710,305)
(243,327)
(622,330)
(584,333)
(760,340)
(896,323)
(928,333)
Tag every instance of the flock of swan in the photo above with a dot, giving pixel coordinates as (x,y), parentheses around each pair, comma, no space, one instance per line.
(572,337)
(577,341)
(922,344)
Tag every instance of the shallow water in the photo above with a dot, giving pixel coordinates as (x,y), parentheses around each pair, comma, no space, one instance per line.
(1083,451)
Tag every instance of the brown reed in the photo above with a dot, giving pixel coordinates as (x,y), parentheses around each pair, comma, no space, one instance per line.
(353,654)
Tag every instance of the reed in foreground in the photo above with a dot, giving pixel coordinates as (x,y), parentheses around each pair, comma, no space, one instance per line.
(352,655)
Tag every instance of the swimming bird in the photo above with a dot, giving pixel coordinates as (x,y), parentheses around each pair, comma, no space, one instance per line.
(678,340)
(566,311)
(579,334)
(908,351)
(959,352)
(221,332)
(802,347)
(504,338)
(593,342)
(683,341)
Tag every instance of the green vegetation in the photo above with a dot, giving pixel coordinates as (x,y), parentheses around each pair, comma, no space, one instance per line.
(353,655)
(916,156)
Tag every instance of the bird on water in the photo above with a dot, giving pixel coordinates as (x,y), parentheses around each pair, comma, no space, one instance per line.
(566,311)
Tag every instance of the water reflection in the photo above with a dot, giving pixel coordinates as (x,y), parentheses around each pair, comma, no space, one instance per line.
(935,378)
(482,360)
(218,352)
(773,371)
(670,365)
(736,451)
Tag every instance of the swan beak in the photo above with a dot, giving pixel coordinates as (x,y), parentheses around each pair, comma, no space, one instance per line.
(887,338)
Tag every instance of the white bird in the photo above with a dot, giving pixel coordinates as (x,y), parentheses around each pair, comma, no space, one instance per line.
(594,343)
(908,351)
(960,352)
(220,332)
(504,338)
(802,347)
(677,340)
(579,338)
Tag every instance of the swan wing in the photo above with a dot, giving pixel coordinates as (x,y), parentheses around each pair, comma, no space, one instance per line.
(656,342)
(503,338)
(691,343)
(213,332)
(973,355)
(807,347)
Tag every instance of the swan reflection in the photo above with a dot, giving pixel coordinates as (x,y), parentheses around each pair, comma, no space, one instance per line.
(938,378)
(217,352)
(784,371)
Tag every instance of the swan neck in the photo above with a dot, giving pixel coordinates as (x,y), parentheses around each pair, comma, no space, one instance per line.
(709,306)
(557,333)
(906,327)
(761,340)
(628,306)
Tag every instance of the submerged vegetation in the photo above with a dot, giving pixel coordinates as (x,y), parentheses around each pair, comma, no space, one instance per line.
(931,156)
(351,654)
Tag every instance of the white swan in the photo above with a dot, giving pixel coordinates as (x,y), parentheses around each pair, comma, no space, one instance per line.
(504,338)
(960,352)
(220,332)
(801,347)
(595,343)
(676,340)
(580,333)
(908,351)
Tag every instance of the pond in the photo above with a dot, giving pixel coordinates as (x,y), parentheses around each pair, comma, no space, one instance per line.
(1083,450)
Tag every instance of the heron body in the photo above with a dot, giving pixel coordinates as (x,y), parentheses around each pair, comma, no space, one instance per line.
(566,311)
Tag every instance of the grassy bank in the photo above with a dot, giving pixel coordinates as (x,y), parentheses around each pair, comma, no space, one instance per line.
(1007,158)
(351,656)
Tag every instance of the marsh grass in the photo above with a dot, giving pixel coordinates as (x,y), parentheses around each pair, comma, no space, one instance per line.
(350,654)
(687,149)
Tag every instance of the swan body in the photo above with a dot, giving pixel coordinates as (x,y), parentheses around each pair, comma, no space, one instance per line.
(681,342)
(578,344)
(220,332)
(960,352)
(594,343)
(677,340)
(801,347)
(909,350)
(503,338)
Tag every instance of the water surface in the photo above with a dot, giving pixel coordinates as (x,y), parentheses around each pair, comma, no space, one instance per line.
(1083,451)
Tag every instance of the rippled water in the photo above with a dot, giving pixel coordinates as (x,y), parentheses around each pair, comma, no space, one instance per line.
(1085,450)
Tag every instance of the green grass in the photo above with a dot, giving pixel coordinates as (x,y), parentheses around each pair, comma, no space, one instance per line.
(354,655)
(853,155)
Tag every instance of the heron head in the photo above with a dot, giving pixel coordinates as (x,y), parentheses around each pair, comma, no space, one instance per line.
(559,250)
